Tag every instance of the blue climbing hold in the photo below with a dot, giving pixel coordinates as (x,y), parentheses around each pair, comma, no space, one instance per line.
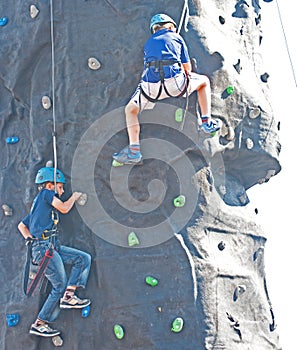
(12,139)
(12,319)
(3,21)
(85,312)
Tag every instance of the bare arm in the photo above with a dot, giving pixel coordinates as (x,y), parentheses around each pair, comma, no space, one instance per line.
(187,67)
(65,207)
(24,230)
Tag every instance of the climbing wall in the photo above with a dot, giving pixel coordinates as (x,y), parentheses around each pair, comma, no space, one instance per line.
(181,218)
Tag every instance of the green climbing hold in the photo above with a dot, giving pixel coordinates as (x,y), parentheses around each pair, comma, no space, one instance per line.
(177,325)
(179,115)
(118,331)
(116,163)
(179,201)
(230,90)
(133,239)
(152,281)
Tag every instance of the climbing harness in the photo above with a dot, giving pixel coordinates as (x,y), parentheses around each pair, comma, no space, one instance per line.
(40,273)
(46,235)
(159,65)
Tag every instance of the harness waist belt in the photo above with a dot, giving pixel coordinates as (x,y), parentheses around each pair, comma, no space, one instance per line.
(161,63)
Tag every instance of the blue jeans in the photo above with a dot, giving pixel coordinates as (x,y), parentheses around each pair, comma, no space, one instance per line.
(55,273)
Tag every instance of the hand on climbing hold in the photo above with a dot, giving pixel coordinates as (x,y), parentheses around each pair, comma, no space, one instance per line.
(82,200)
(28,240)
(76,195)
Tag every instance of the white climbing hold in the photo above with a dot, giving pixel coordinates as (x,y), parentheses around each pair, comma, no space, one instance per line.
(34,11)
(49,164)
(254,113)
(93,63)
(46,102)
(7,210)
(270,173)
(222,190)
(231,134)
(82,200)
(249,143)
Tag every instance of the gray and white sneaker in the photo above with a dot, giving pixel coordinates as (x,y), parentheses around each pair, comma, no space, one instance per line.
(74,302)
(43,330)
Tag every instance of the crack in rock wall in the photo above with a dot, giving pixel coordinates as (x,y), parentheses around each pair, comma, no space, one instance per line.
(210,270)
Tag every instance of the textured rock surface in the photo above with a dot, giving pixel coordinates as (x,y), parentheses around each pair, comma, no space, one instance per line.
(211,272)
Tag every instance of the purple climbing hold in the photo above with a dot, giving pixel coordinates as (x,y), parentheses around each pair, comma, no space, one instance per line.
(3,21)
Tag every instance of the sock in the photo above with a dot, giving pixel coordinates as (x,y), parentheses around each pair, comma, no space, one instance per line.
(134,148)
(205,119)
(69,293)
(38,322)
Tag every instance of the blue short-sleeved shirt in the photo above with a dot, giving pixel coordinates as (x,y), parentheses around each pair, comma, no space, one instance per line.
(164,45)
(40,216)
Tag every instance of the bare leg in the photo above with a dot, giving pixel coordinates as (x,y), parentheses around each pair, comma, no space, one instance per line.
(204,97)
(132,122)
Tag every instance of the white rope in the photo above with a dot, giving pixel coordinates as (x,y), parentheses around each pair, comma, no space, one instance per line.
(184,17)
(53,92)
(287,45)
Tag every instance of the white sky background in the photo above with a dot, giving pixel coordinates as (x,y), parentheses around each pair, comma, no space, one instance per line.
(276,200)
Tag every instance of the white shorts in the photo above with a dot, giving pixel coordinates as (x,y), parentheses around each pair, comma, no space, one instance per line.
(173,85)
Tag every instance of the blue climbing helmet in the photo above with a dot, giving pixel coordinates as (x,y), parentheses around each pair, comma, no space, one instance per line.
(47,175)
(161,18)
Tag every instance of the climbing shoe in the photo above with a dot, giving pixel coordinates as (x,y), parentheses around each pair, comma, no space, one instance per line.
(125,156)
(74,302)
(211,127)
(43,330)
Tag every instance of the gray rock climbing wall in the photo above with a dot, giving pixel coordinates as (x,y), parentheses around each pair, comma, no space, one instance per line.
(208,256)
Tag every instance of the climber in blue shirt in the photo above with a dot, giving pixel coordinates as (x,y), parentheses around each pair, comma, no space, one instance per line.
(39,228)
(167,73)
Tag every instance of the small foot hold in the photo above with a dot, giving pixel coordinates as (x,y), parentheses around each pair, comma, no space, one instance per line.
(118,331)
(133,239)
(116,164)
(34,11)
(177,325)
(57,340)
(46,102)
(179,201)
(7,210)
(12,139)
(85,312)
(151,281)
(3,21)
(12,319)
(93,63)
(179,115)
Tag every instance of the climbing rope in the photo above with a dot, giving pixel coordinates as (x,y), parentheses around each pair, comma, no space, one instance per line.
(184,17)
(286,42)
(54,133)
